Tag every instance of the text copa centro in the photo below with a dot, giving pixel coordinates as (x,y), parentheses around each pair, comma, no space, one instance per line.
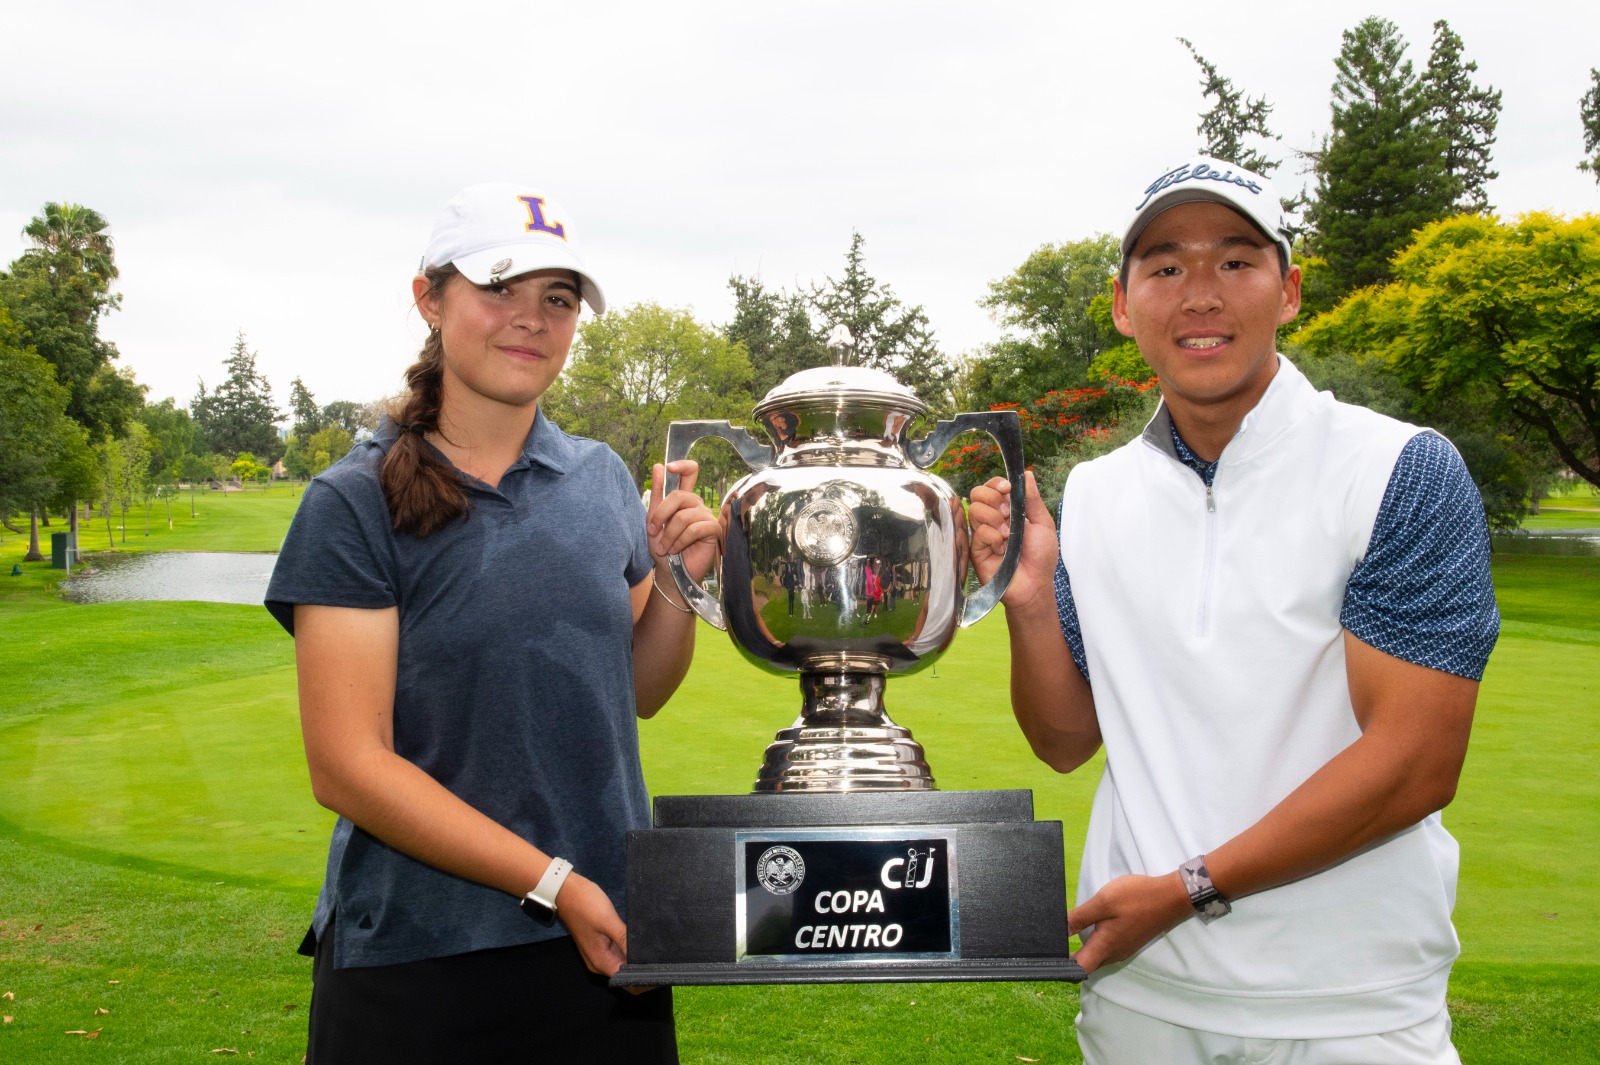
(847,891)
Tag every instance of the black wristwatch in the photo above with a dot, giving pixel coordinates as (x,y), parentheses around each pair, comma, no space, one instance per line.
(1203,896)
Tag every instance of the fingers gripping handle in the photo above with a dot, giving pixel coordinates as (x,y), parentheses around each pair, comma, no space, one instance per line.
(1006,429)
(681,436)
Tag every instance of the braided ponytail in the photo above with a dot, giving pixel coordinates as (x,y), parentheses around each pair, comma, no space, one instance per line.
(423,492)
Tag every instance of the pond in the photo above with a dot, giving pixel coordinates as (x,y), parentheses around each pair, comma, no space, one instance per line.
(230,577)
(1548,542)
(205,576)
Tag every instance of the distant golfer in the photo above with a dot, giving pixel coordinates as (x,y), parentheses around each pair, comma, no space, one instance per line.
(1273,610)
(471,599)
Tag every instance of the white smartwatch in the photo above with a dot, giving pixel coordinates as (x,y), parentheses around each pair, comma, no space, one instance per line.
(540,903)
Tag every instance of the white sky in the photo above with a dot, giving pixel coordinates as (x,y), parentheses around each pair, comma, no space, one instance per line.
(276,168)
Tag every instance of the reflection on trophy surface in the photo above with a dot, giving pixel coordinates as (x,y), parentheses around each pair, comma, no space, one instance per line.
(844,562)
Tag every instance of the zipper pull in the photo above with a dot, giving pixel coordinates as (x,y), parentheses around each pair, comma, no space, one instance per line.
(1211,501)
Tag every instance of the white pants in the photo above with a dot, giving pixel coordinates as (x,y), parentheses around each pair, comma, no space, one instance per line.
(1111,1035)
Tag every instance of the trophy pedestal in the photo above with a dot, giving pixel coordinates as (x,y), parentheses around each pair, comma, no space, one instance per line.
(859,887)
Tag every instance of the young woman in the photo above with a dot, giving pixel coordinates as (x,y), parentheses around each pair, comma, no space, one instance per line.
(480,608)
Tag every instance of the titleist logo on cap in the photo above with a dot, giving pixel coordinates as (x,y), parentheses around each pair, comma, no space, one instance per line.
(1195,172)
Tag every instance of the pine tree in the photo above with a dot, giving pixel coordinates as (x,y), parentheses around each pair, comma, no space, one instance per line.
(1589,112)
(239,415)
(1380,174)
(1233,118)
(889,335)
(1465,116)
(308,418)
(776,331)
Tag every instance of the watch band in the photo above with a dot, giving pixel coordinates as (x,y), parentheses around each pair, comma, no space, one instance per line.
(540,903)
(1203,896)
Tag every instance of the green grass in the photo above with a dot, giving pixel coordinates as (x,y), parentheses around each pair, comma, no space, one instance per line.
(183,966)
(1563,519)
(156,829)
(254,519)
(1575,505)
(1548,596)
(188,745)
(1573,492)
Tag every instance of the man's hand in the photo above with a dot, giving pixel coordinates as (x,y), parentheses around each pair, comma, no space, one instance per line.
(990,517)
(1049,696)
(1126,914)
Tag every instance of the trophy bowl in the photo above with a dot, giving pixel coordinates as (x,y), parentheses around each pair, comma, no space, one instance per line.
(845,561)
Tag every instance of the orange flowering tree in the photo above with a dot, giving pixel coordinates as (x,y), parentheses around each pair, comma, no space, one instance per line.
(1054,425)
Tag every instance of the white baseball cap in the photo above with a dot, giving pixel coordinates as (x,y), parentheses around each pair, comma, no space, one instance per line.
(498,230)
(1205,179)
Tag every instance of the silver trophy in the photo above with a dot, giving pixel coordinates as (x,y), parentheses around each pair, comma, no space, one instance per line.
(845,561)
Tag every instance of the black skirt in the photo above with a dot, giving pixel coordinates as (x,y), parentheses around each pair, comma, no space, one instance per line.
(535,1003)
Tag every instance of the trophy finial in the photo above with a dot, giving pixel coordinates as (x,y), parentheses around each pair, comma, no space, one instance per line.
(840,344)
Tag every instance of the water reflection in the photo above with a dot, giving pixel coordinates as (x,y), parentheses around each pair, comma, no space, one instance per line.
(203,576)
(235,577)
(1583,542)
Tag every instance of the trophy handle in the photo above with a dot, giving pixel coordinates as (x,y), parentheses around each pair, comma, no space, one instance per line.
(1006,429)
(681,436)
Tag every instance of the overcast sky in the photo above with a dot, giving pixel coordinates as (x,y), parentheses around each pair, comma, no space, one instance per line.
(276,168)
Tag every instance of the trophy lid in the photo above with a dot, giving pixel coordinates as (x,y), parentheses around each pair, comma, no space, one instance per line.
(841,384)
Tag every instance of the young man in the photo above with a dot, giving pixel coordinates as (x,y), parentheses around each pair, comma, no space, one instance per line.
(1273,610)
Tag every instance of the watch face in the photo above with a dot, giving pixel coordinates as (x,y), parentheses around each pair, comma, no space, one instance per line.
(538,910)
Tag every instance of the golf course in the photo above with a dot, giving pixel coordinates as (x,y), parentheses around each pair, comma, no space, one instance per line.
(160,850)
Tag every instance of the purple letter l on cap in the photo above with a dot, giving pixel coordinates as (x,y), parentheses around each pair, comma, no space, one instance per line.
(536,222)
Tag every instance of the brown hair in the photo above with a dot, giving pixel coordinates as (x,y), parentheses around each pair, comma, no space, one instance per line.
(424,492)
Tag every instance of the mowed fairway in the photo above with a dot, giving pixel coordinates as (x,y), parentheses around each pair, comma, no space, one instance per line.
(159,848)
(254,519)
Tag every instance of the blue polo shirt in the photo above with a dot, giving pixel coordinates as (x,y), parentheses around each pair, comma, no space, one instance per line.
(515,679)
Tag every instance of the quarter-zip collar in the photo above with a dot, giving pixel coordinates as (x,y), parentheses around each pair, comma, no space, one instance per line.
(1281,406)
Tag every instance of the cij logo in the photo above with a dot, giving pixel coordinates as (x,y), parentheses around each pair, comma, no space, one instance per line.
(780,870)
(915,870)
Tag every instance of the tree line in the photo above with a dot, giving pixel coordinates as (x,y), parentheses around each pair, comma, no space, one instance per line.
(634,371)
(1418,302)
(77,428)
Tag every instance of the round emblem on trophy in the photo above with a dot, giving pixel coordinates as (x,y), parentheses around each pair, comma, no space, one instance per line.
(825,532)
(780,869)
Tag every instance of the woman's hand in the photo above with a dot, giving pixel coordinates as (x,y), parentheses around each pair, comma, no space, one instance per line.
(680,522)
(676,523)
(593,923)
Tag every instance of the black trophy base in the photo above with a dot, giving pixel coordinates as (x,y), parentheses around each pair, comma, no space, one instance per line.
(870,887)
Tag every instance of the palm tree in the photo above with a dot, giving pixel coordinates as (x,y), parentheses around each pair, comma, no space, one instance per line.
(75,231)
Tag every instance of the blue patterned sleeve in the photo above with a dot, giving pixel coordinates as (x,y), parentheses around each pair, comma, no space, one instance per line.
(1423,592)
(1067,611)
